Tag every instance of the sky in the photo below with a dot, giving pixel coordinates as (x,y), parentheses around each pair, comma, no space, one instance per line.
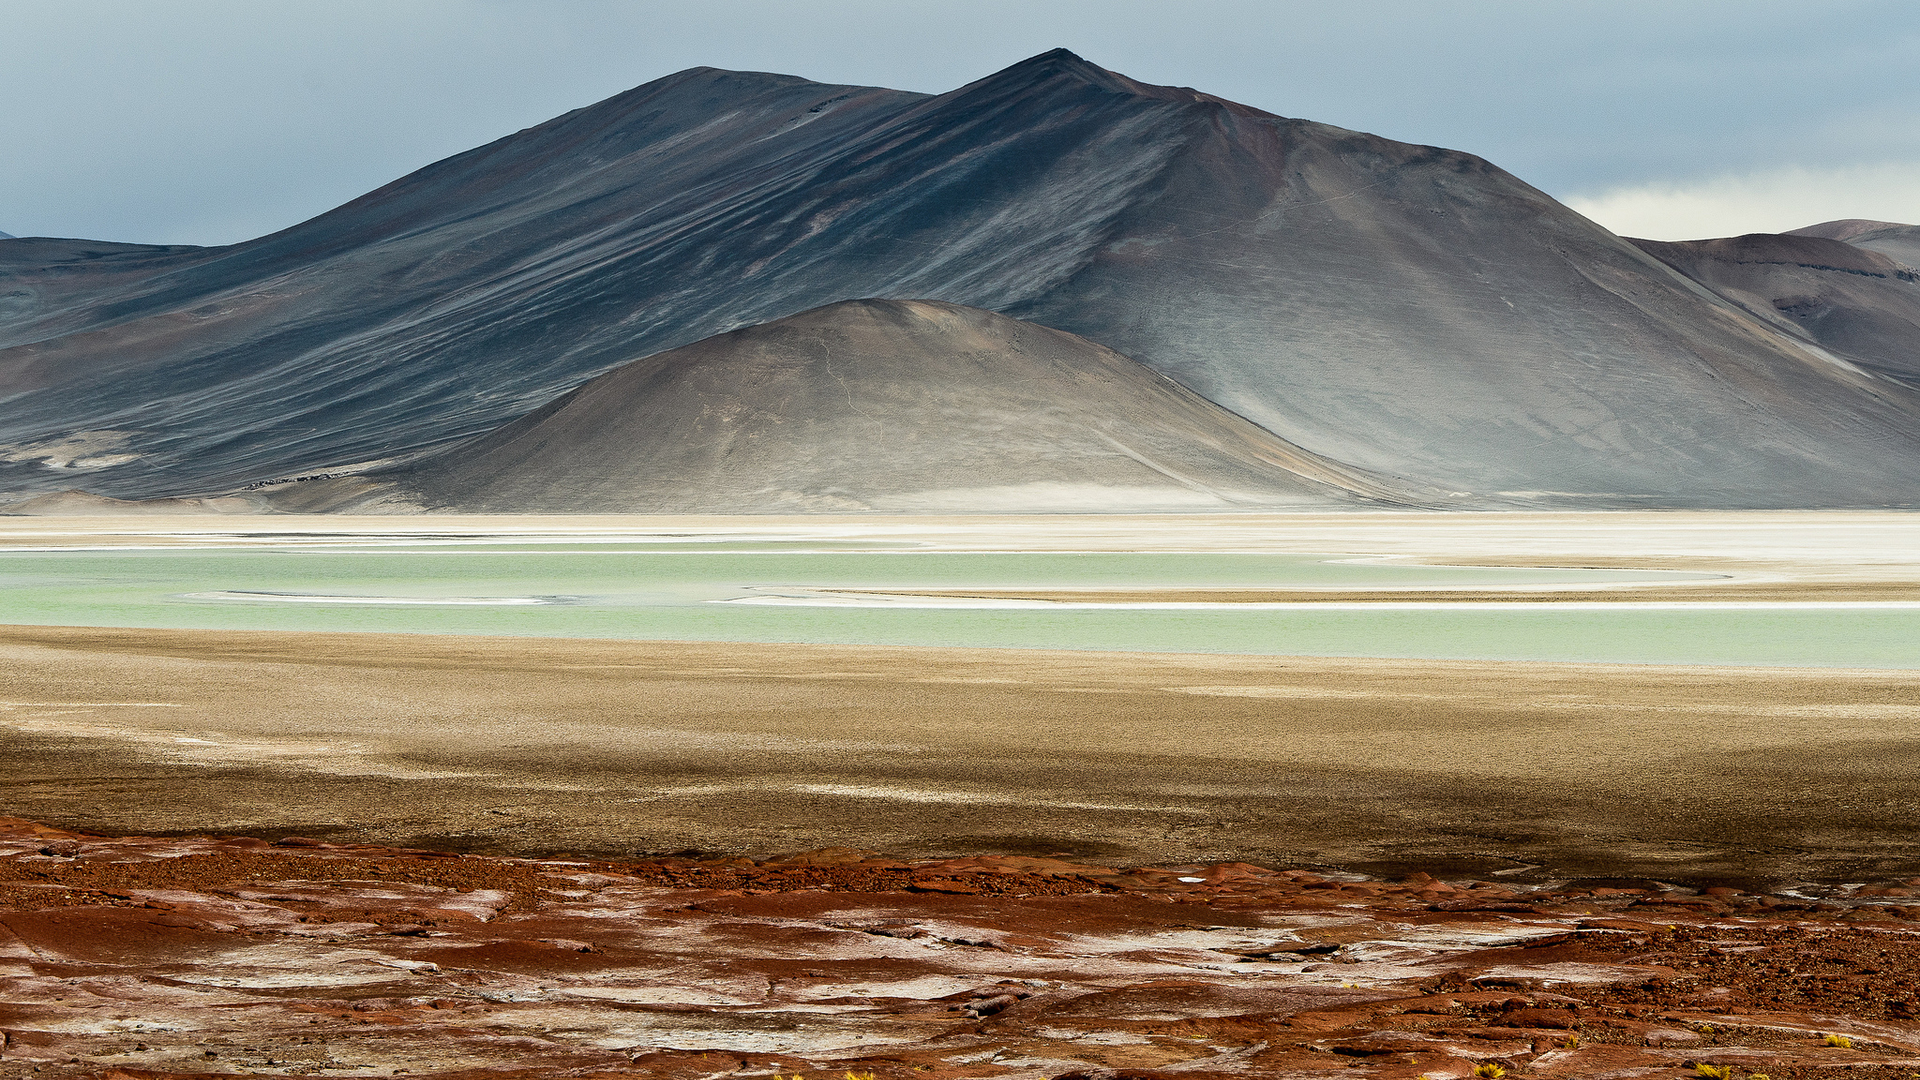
(214,121)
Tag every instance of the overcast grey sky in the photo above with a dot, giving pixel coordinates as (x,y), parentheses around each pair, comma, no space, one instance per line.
(212,121)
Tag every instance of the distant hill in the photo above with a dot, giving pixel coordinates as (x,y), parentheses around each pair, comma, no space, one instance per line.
(1853,301)
(1408,312)
(1900,243)
(877,405)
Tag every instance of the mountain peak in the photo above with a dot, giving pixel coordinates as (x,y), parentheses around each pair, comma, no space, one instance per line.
(1064,65)
(1065,60)
(1057,67)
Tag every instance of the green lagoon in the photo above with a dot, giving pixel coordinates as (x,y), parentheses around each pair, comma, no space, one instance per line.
(749,591)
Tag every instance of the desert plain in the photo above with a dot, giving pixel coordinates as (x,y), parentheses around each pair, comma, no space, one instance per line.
(1754,775)
(297,851)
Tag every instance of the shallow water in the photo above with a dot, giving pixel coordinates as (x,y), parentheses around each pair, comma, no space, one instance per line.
(685,591)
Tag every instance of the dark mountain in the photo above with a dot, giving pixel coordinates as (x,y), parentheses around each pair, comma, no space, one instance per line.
(434,308)
(871,405)
(1854,302)
(1408,311)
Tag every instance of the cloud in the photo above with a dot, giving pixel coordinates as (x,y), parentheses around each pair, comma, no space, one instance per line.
(1772,201)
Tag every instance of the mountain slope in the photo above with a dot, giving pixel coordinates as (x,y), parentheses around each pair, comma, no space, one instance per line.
(878,404)
(51,288)
(1407,310)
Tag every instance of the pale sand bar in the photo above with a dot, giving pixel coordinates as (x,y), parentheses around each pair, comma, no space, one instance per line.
(1805,542)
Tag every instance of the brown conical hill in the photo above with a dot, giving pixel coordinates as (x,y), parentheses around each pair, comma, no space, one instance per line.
(888,405)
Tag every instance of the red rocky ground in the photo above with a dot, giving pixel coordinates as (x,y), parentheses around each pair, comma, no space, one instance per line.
(143,957)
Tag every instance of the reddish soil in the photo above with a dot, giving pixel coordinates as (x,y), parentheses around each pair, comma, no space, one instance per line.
(147,957)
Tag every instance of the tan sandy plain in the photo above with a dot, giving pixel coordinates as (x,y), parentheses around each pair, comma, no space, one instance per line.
(612,747)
